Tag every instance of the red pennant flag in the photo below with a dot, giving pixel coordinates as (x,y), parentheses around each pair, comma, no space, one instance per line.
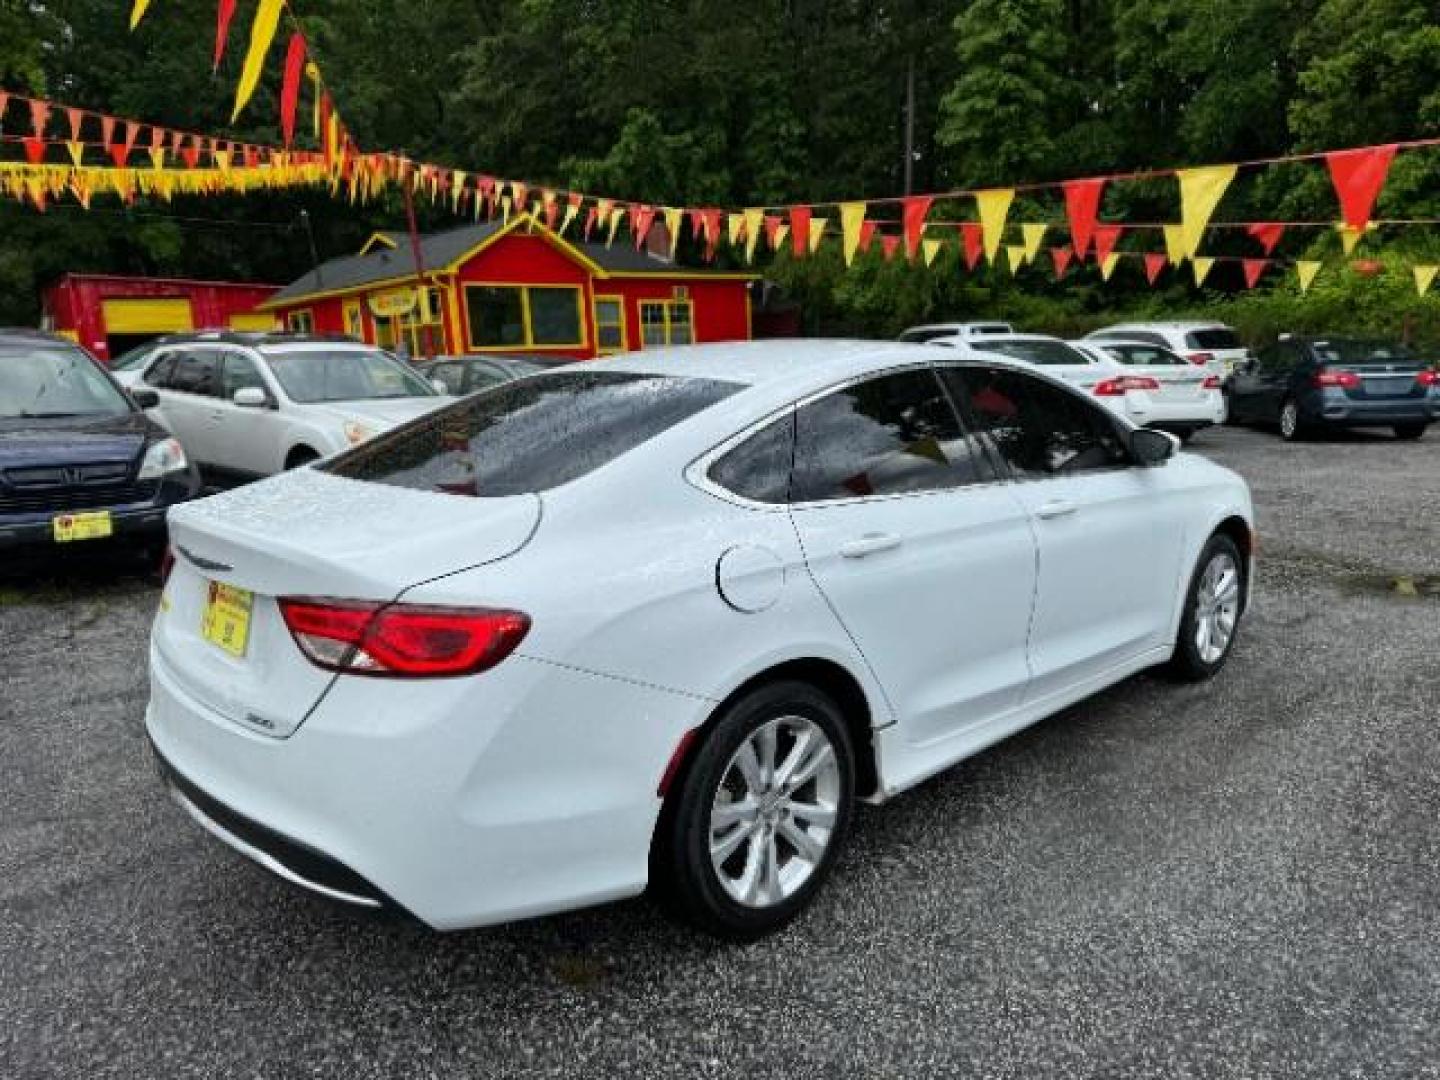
(4,104)
(772,228)
(191,153)
(973,235)
(521,193)
(1268,233)
(889,245)
(120,152)
(800,230)
(177,139)
(710,219)
(1106,237)
(107,129)
(590,221)
(867,234)
(697,224)
(76,118)
(1082,207)
(1253,269)
(916,207)
(34,149)
(39,116)
(290,88)
(1358,176)
(223,15)
(641,218)
(157,138)
(1154,264)
(552,210)
(1062,257)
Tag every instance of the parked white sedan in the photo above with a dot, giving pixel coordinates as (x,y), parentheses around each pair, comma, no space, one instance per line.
(662,619)
(246,406)
(1158,388)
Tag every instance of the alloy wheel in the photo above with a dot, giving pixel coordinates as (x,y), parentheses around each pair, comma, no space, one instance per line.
(775,811)
(1217,607)
(1289,420)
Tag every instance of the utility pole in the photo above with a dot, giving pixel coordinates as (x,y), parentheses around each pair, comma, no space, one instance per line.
(422,298)
(314,252)
(910,123)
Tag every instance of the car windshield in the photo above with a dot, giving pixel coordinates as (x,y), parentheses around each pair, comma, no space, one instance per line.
(1355,353)
(1044,353)
(317,375)
(532,434)
(1219,338)
(39,381)
(133,359)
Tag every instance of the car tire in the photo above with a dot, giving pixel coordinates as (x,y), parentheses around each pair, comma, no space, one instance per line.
(1210,621)
(301,455)
(752,872)
(1227,416)
(1410,431)
(1292,426)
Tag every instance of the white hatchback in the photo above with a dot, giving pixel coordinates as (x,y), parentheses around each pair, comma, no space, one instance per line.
(1209,345)
(247,406)
(662,619)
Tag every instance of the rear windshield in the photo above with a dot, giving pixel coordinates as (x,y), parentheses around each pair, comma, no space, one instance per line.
(532,434)
(1044,353)
(1220,338)
(919,337)
(1144,355)
(39,382)
(1361,353)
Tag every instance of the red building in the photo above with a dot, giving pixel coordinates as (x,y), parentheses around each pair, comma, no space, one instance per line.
(517,288)
(109,314)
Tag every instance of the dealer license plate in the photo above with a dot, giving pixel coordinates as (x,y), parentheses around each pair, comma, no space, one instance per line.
(226,620)
(92,526)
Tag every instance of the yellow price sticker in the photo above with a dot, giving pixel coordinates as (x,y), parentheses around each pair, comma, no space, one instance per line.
(226,619)
(92,526)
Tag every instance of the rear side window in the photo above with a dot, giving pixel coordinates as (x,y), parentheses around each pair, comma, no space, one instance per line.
(1146,356)
(1220,338)
(759,468)
(196,373)
(531,434)
(1044,353)
(1041,430)
(889,435)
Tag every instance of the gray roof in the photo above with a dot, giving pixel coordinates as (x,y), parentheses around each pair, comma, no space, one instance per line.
(438,250)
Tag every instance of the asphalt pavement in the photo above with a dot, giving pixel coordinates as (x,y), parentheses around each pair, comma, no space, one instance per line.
(1240,879)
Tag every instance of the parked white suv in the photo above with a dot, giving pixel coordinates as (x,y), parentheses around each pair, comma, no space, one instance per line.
(1211,345)
(245,407)
(919,335)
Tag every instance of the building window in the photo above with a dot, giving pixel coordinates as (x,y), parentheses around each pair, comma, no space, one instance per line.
(301,322)
(667,322)
(610,323)
(510,316)
(354,323)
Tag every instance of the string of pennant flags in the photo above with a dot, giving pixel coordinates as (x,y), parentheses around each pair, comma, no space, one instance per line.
(54,166)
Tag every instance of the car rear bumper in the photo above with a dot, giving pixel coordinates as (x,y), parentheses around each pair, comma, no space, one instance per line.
(129,525)
(538,796)
(1191,415)
(1342,410)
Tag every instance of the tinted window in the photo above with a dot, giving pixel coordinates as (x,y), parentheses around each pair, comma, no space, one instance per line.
(897,433)
(450,374)
(1220,338)
(1044,353)
(1040,430)
(1131,335)
(39,381)
(240,373)
(1355,353)
(1279,359)
(531,434)
(1145,356)
(759,468)
(196,373)
(918,337)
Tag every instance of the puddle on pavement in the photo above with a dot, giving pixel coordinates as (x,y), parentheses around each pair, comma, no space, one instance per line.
(1400,586)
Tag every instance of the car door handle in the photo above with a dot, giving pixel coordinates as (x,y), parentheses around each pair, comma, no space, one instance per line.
(1056,508)
(870,544)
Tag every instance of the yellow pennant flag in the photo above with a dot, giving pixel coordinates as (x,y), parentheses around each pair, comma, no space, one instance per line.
(1424,278)
(781,232)
(615,217)
(1349,237)
(312,72)
(505,204)
(1175,244)
(817,232)
(1202,267)
(1112,260)
(930,249)
(262,33)
(734,228)
(754,226)
(674,222)
(1034,235)
(571,210)
(1200,193)
(1016,254)
(994,206)
(138,12)
(457,188)
(852,222)
(77,152)
(157,157)
(1307,269)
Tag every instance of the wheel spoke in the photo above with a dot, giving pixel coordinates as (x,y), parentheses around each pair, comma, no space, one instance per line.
(722,849)
(747,886)
(804,742)
(805,845)
(727,814)
(749,765)
(822,754)
(769,870)
(765,747)
(1228,587)
(820,815)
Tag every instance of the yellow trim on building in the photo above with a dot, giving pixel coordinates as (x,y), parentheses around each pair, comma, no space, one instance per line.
(529,343)
(667,322)
(619,323)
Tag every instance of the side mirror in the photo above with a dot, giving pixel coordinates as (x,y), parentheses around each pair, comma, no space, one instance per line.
(251,397)
(440,387)
(1150,447)
(145,399)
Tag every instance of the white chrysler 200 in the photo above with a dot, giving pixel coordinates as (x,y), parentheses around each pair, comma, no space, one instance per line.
(661,619)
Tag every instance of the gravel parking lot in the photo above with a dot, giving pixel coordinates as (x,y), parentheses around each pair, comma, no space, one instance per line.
(1239,879)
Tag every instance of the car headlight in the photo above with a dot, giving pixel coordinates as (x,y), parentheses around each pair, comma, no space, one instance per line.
(162,459)
(356,433)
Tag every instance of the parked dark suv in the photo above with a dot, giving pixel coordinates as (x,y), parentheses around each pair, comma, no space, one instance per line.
(79,460)
(1305,384)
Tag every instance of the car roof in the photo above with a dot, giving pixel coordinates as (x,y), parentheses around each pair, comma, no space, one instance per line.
(23,335)
(1176,325)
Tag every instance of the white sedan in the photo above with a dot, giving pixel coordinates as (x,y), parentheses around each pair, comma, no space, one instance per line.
(1159,388)
(660,620)
(251,405)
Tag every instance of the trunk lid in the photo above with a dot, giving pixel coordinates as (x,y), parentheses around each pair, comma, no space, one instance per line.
(1382,381)
(306,533)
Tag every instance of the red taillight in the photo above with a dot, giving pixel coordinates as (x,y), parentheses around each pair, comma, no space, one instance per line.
(1346,379)
(1122,384)
(402,640)
(1428,378)
(1201,359)
(167,564)
(1211,382)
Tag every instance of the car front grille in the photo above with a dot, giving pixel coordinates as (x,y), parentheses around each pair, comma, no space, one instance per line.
(65,499)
